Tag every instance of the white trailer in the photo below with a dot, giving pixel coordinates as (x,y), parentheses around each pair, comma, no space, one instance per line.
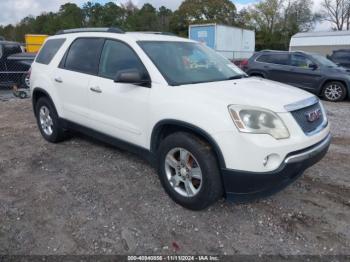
(232,42)
(320,42)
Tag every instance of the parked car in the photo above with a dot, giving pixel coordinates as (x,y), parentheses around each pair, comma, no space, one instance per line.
(241,63)
(210,130)
(14,64)
(341,57)
(309,71)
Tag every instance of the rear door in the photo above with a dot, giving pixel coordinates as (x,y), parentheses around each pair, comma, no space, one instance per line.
(302,75)
(72,77)
(275,65)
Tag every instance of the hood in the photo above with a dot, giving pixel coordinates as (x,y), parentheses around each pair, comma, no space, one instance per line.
(252,91)
(339,70)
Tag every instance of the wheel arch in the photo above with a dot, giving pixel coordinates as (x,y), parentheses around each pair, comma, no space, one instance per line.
(169,126)
(256,73)
(37,94)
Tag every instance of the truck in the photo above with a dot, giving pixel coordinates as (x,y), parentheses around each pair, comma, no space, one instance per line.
(232,42)
(14,65)
(34,42)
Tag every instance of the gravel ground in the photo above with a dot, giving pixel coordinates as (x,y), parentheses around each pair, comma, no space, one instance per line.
(84,197)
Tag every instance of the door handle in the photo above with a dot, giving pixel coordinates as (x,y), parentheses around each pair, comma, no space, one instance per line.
(96,89)
(58,80)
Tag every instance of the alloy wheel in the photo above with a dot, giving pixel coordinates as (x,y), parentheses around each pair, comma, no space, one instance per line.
(46,120)
(183,172)
(333,92)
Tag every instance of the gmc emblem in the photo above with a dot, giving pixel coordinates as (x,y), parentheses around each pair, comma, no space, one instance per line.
(312,116)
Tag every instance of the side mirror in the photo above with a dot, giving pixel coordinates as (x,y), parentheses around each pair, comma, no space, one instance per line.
(132,76)
(313,66)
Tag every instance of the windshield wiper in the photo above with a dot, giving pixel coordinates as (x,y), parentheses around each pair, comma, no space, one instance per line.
(237,77)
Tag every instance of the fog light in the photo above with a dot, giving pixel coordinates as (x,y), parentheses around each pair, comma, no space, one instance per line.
(271,161)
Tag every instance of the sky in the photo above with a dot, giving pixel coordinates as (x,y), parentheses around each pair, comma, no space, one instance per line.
(12,11)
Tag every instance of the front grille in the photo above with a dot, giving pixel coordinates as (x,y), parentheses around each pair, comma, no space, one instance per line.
(301,116)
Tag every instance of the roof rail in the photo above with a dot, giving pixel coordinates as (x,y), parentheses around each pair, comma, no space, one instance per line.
(270,50)
(154,33)
(164,33)
(91,29)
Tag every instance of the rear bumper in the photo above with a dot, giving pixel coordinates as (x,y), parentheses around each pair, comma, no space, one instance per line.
(242,186)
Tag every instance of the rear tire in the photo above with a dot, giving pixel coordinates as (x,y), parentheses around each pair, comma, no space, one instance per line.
(25,81)
(199,186)
(334,91)
(48,121)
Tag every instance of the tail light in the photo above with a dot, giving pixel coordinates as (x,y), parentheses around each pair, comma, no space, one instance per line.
(244,64)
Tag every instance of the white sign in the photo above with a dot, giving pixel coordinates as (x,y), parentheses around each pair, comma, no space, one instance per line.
(202,34)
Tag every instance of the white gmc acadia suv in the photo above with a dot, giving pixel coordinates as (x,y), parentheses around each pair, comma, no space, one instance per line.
(209,129)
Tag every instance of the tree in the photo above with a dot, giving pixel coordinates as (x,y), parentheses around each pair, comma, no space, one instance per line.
(92,13)
(144,19)
(203,11)
(164,16)
(46,23)
(113,15)
(337,12)
(275,21)
(70,16)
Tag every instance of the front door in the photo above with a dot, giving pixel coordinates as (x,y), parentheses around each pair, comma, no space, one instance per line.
(304,73)
(119,109)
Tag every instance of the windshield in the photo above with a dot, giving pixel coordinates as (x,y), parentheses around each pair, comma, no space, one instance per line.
(323,61)
(184,63)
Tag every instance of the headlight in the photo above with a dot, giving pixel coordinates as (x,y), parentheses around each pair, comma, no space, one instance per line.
(258,121)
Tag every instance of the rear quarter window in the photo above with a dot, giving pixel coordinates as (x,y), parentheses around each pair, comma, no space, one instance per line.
(84,55)
(49,50)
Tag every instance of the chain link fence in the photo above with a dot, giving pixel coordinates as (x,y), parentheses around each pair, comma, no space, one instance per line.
(236,55)
(14,65)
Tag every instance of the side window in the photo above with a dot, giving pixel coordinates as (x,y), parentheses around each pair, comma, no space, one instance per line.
(83,55)
(49,50)
(264,59)
(0,51)
(341,55)
(117,56)
(278,59)
(300,61)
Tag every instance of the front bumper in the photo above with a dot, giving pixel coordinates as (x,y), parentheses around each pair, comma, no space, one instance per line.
(242,186)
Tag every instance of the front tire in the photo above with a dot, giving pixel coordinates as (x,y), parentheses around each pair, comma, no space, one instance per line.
(334,91)
(48,121)
(188,171)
